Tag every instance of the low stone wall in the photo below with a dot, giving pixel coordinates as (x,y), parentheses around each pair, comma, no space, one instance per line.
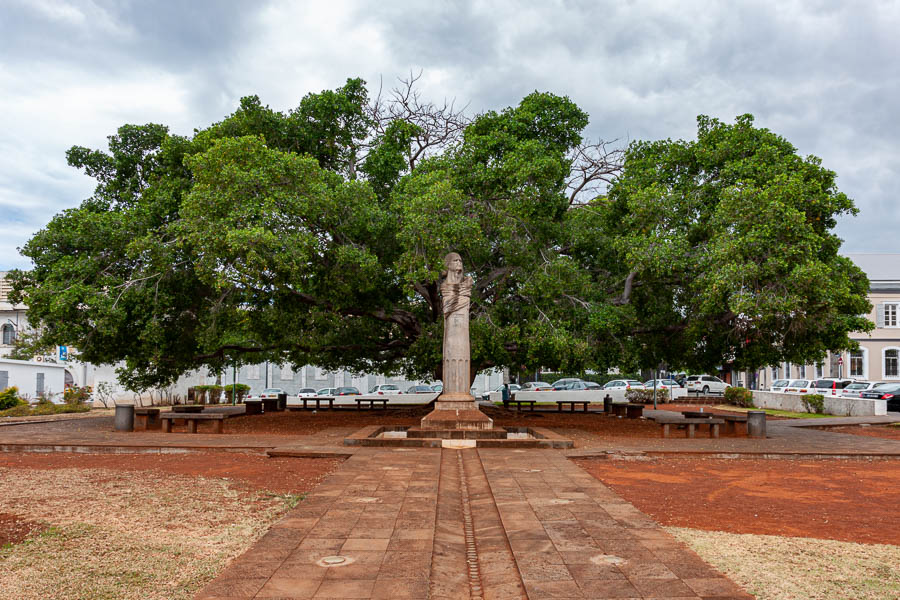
(834,405)
(618,396)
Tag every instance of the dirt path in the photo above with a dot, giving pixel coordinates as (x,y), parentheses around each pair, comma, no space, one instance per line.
(853,501)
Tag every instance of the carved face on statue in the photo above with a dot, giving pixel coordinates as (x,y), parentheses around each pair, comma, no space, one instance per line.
(454,266)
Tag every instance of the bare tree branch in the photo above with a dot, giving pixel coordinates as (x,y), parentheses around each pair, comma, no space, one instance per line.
(594,167)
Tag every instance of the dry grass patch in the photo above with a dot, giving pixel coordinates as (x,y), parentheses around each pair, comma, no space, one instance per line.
(124,535)
(789,568)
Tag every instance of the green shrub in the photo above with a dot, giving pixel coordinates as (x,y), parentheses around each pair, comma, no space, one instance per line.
(240,390)
(10,398)
(213,393)
(646,396)
(739,396)
(76,395)
(814,403)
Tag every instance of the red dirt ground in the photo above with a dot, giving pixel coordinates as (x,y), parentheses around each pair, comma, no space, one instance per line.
(853,501)
(253,472)
(879,431)
(14,529)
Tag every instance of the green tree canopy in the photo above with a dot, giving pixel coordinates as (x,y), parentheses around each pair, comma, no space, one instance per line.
(316,236)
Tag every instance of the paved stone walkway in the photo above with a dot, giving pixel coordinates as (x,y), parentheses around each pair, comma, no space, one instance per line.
(492,524)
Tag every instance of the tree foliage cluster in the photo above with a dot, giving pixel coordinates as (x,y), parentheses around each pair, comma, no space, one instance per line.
(316,236)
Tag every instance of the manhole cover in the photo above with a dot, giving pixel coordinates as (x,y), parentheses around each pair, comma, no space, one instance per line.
(335,561)
(365,499)
(403,450)
(607,559)
(531,470)
(560,501)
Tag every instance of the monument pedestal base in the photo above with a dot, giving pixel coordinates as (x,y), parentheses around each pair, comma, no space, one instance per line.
(456,411)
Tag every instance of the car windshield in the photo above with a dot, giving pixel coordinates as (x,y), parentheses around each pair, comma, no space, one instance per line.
(780,383)
(389,387)
(272,391)
(857,386)
(538,384)
(800,383)
(633,382)
(694,378)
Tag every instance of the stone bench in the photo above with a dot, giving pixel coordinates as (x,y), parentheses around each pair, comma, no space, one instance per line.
(731,422)
(218,420)
(188,408)
(253,407)
(690,425)
(634,411)
(272,404)
(372,402)
(146,418)
(571,403)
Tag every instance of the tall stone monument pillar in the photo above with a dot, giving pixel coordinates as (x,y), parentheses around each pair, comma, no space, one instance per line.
(455,407)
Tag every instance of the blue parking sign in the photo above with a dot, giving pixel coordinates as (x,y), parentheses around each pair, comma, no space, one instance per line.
(63,353)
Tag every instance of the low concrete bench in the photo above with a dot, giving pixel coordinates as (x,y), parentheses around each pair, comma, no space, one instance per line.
(731,422)
(188,408)
(372,402)
(619,409)
(146,418)
(691,425)
(519,404)
(572,403)
(218,420)
(272,405)
(634,411)
(253,407)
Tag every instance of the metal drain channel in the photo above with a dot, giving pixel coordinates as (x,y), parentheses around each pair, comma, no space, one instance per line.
(475,589)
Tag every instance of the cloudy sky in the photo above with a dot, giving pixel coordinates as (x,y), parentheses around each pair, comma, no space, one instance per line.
(823,74)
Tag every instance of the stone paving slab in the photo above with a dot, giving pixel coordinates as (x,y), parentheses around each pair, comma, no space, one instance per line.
(486,524)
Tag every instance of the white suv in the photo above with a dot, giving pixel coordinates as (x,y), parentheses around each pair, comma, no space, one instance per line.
(386,388)
(704,384)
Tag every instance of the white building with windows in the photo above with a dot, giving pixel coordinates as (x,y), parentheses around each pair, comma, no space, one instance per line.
(878,357)
(12,318)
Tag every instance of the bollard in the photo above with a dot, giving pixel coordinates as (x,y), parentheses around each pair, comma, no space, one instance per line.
(756,424)
(607,404)
(124,420)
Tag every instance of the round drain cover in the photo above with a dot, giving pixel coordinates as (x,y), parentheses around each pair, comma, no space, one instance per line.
(334,560)
(365,499)
(607,558)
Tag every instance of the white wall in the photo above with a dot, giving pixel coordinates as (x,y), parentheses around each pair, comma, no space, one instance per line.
(23,375)
(834,405)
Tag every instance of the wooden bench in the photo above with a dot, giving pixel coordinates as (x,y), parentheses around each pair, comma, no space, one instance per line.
(191,419)
(519,404)
(253,407)
(572,403)
(691,425)
(634,411)
(371,401)
(619,409)
(146,418)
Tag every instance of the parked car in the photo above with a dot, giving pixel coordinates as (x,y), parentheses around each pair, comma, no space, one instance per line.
(779,384)
(662,383)
(513,387)
(347,391)
(800,386)
(829,386)
(582,385)
(327,392)
(386,388)
(560,384)
(271,392)
(623,384)
(705,384)
(438,387)
(889,392)
(855,389)
(536,386)
(306,393)
(419,389)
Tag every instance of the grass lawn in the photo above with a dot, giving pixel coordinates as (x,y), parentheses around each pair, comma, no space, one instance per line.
(773,412)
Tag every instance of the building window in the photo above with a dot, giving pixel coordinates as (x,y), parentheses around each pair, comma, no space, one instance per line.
(39,384)
(775,371)
(9,335)
(858,363)
(891,362)
(253,372)
(890,314)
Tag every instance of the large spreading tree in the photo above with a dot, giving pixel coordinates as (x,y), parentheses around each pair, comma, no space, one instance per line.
(316,236)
